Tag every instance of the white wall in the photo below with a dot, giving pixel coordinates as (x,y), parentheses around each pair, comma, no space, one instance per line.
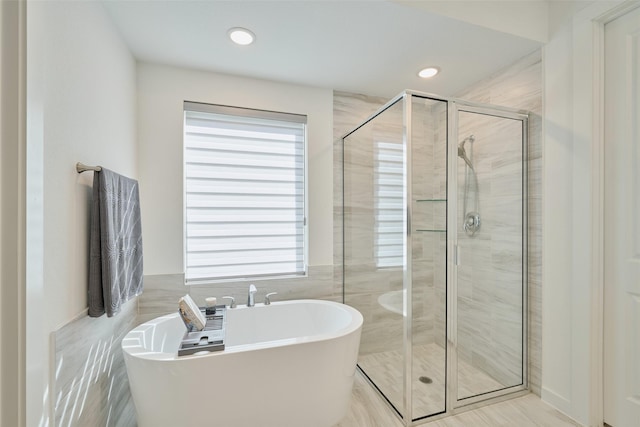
(522,18)
(572,295)
(161,92)
(562,12)
(82,107)
(11,223)
(557,220)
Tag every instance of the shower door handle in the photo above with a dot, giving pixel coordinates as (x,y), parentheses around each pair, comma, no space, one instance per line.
(457,255)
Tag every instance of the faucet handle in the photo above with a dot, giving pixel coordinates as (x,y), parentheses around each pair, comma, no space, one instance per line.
(267,298)
(233,301)
(252,289)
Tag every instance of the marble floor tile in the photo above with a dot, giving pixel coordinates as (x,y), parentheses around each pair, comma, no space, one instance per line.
(386,369)
(369,410)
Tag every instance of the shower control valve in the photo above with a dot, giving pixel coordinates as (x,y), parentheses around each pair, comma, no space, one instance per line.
(471,223)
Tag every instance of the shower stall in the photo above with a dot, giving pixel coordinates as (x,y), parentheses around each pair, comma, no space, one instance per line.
(434,248)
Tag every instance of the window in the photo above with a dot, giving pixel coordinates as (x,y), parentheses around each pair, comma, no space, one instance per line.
(389,192)
(244,193)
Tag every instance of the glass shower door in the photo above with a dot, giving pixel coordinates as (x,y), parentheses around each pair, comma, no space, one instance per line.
(373,192)
(428,256)
(491,241)
(434,252)
(395,167)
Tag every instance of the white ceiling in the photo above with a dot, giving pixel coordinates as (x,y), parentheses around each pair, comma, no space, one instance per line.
(374,47)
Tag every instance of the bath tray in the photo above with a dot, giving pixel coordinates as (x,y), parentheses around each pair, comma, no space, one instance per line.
(211,338)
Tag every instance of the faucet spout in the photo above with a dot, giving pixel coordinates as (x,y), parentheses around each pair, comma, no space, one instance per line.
(251,301)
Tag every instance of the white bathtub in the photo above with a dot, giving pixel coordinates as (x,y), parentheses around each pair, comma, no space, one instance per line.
(288,364)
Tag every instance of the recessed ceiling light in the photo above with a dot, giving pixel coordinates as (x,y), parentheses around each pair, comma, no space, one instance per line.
(428,72)
(241,36)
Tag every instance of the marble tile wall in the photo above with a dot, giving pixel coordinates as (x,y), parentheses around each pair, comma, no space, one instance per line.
(367,284)
(428,219)
(490,286)
(162,292)
(520,86)
(366,281)
(490,309)
(90,384)
(383,327)
(349,111)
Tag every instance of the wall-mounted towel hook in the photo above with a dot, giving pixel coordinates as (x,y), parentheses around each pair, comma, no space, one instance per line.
(80,167)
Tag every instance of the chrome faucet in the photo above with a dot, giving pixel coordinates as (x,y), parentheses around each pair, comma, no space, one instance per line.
(251,302)
(267,298)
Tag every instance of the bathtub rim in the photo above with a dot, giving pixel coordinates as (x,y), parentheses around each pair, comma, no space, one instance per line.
(139,352)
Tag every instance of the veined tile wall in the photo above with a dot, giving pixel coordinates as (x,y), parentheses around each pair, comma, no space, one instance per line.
(90,382)
(162,292)
(519,86)
(429,166)
(349,111)
(365,281)
(490,291)
(372,288)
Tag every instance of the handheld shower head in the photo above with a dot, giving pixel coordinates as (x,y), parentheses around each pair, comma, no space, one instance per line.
(470,139)
(462,153)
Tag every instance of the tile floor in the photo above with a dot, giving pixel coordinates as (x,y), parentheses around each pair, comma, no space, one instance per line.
(385,369)
(369,410)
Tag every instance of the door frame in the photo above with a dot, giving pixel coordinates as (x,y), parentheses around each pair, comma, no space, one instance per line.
(13,201)
(588,106)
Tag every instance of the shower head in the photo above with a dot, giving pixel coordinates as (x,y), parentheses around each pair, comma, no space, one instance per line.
(469,139)
(462,153)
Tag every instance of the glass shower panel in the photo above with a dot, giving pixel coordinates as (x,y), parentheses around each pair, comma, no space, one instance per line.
(490,274)
(428,255)
(373,192)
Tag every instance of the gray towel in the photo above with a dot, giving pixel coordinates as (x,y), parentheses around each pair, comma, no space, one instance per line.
(115,268)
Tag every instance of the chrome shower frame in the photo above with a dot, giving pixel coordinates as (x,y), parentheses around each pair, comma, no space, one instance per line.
(453,405)
(473,402)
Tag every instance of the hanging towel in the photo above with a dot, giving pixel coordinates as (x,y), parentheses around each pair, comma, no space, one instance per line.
(115,268)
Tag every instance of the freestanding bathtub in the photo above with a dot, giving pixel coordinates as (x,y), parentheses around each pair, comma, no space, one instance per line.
(288,364)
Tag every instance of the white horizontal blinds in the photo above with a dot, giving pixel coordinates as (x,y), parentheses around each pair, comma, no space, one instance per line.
(389,191)
(244,173)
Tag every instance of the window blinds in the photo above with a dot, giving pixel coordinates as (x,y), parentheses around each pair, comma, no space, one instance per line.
(245,193)
(389,192)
